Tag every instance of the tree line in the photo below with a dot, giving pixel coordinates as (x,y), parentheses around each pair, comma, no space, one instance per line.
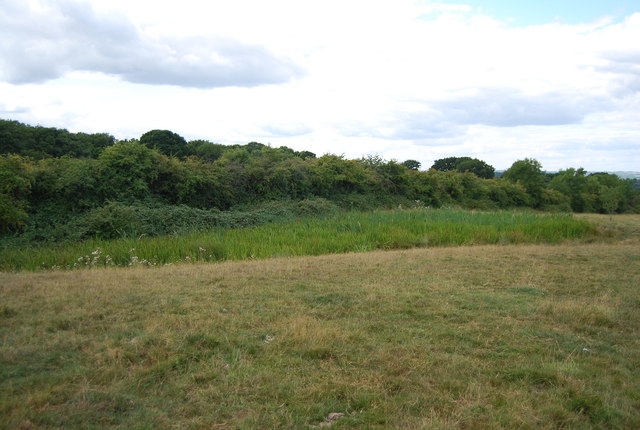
(50,177)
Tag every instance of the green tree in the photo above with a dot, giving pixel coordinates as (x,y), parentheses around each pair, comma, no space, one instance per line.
(610,199)
(506,194)
(332,175)
(305,154)
(465,164)
(572,183)
(449,164)
(191,182)
(66,185)
(477,167)
(15,186)
(412,164)
(614,194)
(529,174)
(83,145)
(15,138)
(166,142)
(127,170)
(204,150)
(255,147)
(45,142)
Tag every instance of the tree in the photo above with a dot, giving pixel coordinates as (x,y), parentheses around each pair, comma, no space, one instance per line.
(305,154)
(41,142)
(15,138)
(15,186)
(66,185)
(572,183)
(465,164)
(610,199)
(449,164)
(529,174)
(254,147)
(477,167)
(412,164)
(127,169)
(204,150)
(165,142)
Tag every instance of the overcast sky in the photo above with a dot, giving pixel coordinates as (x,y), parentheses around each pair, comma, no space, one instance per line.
(499,80)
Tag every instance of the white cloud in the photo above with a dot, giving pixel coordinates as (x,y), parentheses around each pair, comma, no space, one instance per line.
(403,79)
(44,41)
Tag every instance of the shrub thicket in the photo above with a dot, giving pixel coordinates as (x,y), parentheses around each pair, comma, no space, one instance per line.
(106,189)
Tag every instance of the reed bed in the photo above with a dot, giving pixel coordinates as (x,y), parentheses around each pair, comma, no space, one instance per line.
(338,233)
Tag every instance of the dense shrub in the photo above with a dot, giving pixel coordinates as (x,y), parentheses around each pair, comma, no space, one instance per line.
(164,185)
(15,187)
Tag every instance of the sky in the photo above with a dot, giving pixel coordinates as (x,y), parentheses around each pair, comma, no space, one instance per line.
(498,80)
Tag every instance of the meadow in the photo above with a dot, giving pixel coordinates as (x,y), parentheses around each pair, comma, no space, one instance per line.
(501,334)
(339,232)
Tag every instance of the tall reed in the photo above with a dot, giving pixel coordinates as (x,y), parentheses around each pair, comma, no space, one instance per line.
(339,233)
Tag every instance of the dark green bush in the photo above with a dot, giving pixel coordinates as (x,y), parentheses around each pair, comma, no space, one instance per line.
(116,220)
(315,206)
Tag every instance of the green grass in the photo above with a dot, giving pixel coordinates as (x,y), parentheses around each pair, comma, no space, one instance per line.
(340,233)
(482,337)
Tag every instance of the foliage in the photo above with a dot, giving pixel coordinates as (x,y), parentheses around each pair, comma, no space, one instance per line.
(529,174)
(465,164)
(412,164)
(166,142)
(448,164)
(127,169)
(74,174)
(71,184)
(204,150)
(477,167)
(596,192)
(15,187)
(41,142)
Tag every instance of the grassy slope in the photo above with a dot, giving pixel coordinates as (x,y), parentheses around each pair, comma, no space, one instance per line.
(527,336)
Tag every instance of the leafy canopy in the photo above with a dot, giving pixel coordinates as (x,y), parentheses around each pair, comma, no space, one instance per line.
(465,164)
(165,142)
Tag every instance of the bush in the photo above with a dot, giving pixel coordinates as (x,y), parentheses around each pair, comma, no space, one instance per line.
(314,207)
(117,220)
(121,220)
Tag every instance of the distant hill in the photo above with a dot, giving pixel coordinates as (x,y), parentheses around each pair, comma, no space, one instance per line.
(620,174)
(627,175)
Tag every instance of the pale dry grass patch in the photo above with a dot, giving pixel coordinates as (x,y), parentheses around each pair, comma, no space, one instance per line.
(624,228)
(579,313)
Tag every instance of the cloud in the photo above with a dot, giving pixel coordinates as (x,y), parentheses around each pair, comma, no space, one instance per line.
(504,107)
(44,41)
(6,110)
(286,129)
(405,79)
(619,56)
(436,120)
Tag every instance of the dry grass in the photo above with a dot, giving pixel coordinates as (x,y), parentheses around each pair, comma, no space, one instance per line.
(527,336)
(624,228)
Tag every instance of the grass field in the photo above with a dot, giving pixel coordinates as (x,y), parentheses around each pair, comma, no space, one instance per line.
(471,337)
(340,233)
